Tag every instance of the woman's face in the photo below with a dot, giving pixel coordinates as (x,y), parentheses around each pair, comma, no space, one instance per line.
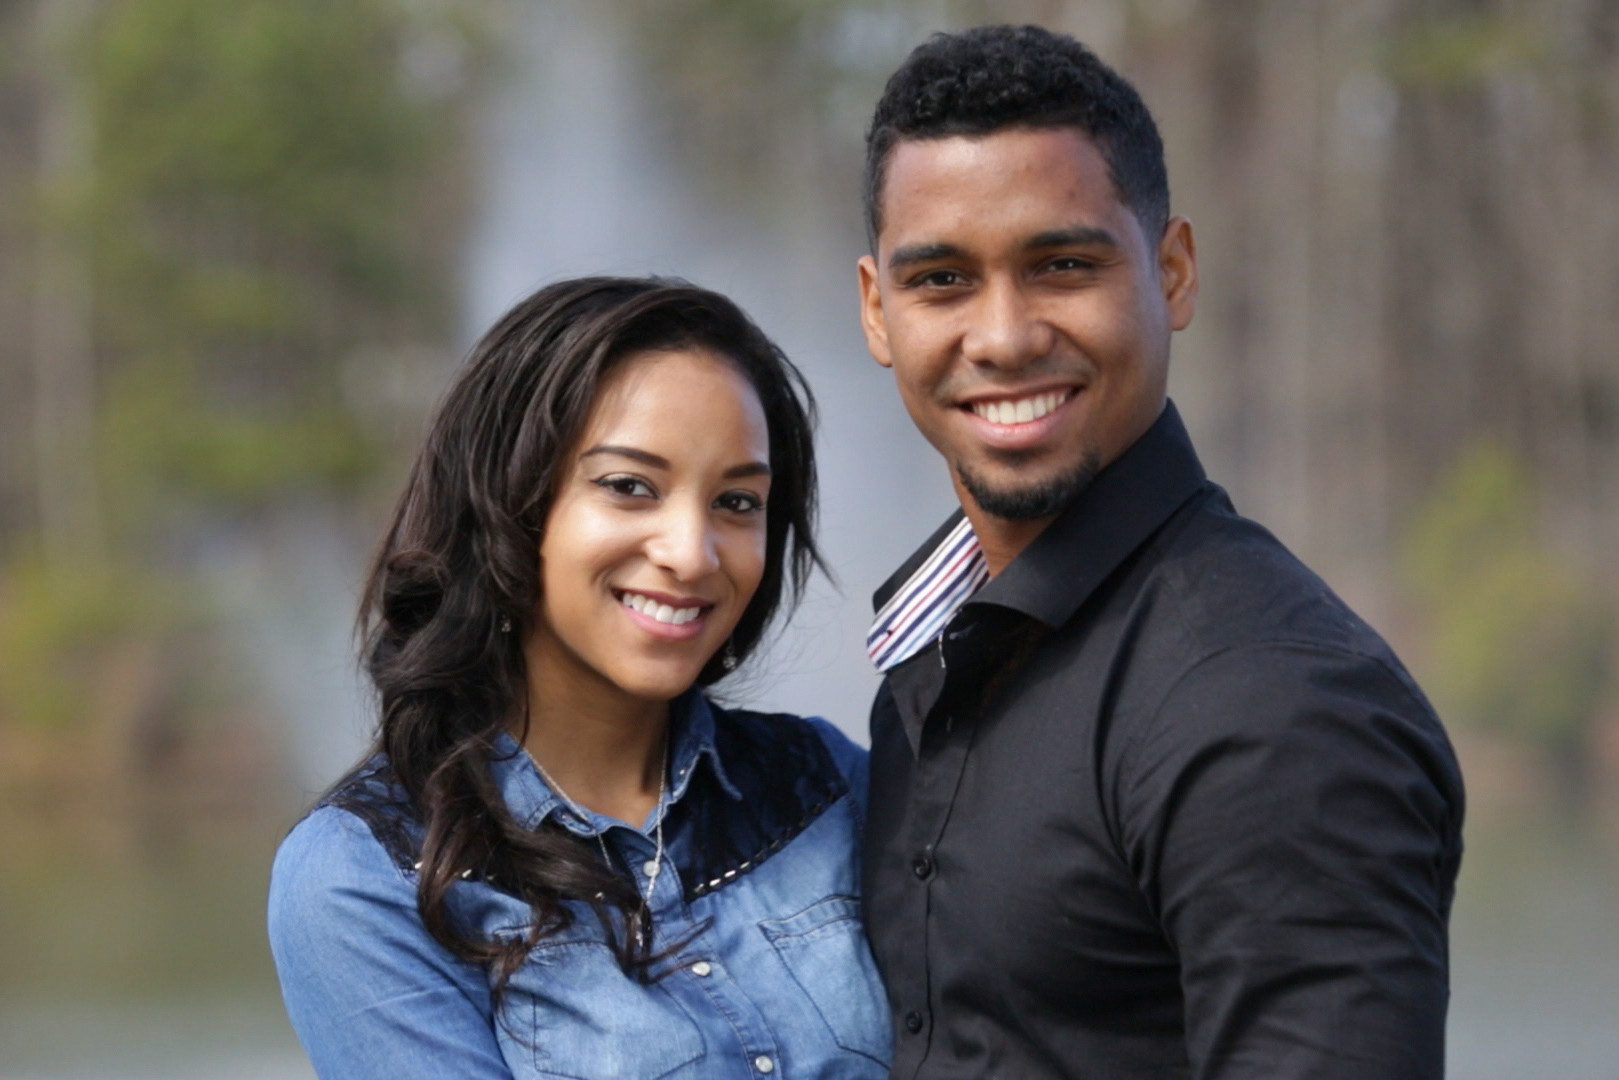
(656,540)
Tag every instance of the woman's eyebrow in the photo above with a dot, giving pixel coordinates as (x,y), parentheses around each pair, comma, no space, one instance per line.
(646,457)
(643,456)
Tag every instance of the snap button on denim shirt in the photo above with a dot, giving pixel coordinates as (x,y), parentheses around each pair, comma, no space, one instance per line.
(760,830)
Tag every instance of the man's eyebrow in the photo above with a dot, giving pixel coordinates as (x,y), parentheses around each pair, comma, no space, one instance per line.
(919,253)
(735,472)
(1077,236)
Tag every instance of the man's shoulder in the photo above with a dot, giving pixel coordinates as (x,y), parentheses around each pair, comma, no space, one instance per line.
(1238,642)
(1225,580)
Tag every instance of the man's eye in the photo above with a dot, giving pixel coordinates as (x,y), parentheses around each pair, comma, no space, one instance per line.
(1065,263)
(631,486)
(740,502)
(939,279)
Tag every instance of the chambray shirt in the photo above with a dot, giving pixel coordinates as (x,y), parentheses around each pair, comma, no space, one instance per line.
(761,822)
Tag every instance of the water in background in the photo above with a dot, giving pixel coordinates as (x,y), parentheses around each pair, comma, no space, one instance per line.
(146,959)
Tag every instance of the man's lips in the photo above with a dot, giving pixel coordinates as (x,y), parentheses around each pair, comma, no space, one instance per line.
(1022,421)
(1020,409)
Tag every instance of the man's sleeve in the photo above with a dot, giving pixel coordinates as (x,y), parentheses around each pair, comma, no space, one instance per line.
(368,990)
(1293,815)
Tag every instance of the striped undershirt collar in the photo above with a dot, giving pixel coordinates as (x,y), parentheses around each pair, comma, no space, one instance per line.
(919,609)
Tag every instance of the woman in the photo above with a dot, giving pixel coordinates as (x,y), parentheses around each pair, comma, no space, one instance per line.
(562,859)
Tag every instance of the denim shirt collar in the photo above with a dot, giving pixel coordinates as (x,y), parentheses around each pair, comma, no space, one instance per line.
(530,799)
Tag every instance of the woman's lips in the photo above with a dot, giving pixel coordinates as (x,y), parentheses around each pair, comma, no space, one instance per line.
(667,617)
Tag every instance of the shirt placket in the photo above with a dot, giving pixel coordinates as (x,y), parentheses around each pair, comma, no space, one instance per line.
(700,980)
(946,738)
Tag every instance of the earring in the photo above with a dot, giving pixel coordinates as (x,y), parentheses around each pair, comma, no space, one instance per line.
(505,624)
(728,656)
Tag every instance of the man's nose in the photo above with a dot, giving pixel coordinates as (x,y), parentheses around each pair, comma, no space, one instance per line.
(685,544)
(1006,330)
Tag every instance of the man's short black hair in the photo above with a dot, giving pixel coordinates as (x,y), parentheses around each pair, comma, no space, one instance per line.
(992,78)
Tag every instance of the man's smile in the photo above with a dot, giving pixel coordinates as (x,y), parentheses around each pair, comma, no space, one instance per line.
(1020,410)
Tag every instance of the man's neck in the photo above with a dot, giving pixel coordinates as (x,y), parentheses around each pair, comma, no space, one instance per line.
(1001,539)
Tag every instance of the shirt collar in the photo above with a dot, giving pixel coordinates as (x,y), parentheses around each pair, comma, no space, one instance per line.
(952,570)
(530,799)
(1094,533)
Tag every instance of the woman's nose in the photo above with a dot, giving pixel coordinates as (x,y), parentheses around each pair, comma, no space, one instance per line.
(685,544)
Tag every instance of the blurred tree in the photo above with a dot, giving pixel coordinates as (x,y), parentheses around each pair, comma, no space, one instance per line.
(255,219)
(225,205)
(1520,643)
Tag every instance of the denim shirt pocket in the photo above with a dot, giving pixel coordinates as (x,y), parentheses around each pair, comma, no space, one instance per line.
(579,1016)
(824,949)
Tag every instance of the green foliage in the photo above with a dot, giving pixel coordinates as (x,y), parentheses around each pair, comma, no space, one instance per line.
(56,626)
(286,114)
(261,197)
(1520,643)
(164,443)
(256,165)
(1464,51)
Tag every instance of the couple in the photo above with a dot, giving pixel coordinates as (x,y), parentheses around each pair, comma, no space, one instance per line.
(1145,798)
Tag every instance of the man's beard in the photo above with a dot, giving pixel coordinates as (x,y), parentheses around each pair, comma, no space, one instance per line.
(1040,500)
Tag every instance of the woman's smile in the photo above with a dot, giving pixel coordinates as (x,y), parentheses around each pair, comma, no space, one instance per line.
(672,617)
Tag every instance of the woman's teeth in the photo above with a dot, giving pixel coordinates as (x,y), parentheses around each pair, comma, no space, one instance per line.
(1020,410)
(661,612)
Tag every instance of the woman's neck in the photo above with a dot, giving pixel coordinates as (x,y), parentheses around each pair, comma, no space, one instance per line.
(604,750)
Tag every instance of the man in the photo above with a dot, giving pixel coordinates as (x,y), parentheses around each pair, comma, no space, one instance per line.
(1147,798)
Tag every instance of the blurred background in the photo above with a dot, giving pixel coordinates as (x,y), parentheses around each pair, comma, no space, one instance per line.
(243,246)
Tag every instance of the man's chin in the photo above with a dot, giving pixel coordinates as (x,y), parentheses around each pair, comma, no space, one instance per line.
(1029,501)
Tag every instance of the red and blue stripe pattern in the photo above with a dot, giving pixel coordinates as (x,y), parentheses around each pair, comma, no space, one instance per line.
(918,611)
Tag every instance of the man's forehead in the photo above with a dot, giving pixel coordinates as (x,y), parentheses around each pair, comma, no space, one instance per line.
(957,182)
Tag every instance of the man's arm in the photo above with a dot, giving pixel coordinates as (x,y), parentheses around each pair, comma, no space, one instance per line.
(1293,815)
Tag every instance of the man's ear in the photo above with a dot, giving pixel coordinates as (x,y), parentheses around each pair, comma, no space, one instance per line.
(871,312)
(1177,272)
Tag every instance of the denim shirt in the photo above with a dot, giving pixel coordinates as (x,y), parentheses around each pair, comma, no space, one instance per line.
(761,820)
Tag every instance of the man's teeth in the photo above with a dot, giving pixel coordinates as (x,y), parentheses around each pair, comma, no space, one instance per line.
(662,612)
(1021,410)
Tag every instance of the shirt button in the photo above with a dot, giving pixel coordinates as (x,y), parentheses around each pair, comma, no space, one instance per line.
(702,969)
(913,1021)
(650,867)
(922,865)
(764,1064)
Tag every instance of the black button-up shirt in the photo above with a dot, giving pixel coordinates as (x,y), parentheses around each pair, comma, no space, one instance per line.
(1157,803)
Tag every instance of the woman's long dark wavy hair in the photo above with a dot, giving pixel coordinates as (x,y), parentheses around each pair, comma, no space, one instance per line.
(460,562)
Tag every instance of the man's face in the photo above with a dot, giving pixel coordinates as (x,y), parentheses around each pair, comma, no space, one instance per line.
(1024,313)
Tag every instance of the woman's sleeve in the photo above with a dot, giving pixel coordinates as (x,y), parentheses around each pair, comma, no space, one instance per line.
(368,990)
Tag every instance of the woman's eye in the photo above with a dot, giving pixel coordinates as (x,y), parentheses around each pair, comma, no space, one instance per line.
(631,486)
(740,502)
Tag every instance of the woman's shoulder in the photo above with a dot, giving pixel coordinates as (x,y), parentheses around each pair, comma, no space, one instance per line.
(777,744)
(359,840)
